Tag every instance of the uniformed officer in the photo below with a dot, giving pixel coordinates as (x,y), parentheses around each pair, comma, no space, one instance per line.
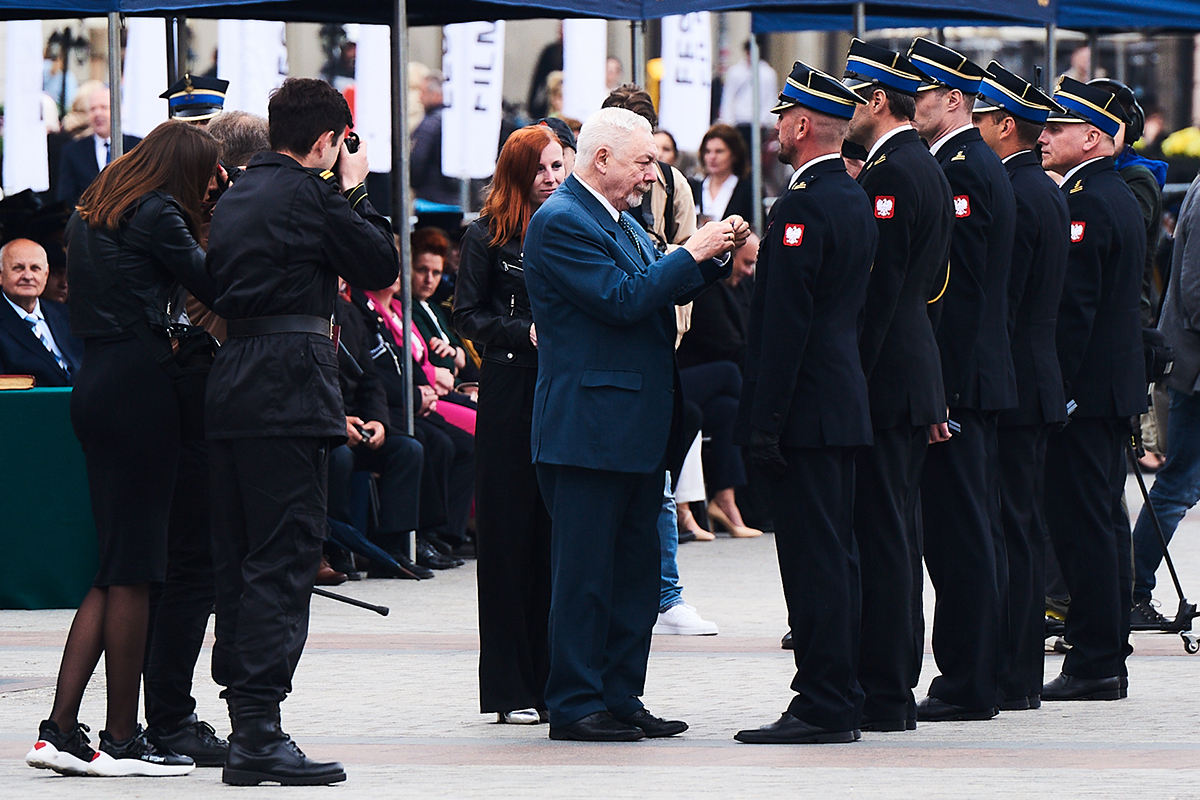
(1010,114)
(913,212)
(1099,342)
(804,408)
(958,486)
(195,98)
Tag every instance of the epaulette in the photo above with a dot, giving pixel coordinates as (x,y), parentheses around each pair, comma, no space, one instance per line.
(329,177)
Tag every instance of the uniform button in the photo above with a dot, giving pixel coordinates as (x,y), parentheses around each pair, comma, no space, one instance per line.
(509,356)
(954,400)
(672,390)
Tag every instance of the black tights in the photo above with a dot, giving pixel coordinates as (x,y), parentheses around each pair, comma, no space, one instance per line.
(110,620)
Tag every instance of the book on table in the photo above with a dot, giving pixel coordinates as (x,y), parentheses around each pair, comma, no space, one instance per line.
(8,382)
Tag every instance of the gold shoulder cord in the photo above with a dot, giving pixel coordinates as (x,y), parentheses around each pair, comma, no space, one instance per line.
(944,285)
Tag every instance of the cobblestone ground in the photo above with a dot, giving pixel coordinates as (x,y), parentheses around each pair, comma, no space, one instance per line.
(395,699)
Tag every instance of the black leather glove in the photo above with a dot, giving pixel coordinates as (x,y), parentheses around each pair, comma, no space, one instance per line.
(764,452)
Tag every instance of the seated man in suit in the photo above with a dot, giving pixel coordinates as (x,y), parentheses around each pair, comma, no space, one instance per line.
(603,407)
(35,334)
(82,159)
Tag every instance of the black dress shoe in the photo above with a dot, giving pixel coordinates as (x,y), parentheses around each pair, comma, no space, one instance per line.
(440,545)
(786,642)
(597,727)
(1068,687)
(654,727)
(195,739)
(931,709)
(790,730)
(887,725)
(427,556)
(407,569)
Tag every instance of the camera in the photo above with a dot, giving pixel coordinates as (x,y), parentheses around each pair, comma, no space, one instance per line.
(352,141)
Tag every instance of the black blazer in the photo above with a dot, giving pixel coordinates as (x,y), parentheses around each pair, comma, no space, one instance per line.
(1099,330)
(741,202)
(913,211)
(972,333)
(718,329)
(77,166)
(22,353)
(1035,281)
(804,381)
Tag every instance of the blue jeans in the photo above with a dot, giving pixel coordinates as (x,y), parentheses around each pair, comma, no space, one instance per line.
(671,593)
(1176,489)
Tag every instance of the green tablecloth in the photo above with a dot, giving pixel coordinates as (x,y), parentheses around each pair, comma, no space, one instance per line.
(46,528)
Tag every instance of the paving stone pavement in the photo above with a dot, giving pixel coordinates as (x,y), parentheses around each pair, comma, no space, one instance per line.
(395,699)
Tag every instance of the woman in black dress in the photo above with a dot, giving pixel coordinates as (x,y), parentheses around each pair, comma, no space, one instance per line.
(491,308)
(131,251)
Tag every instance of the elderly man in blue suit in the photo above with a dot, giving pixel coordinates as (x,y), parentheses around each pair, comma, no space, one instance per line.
(35,334)
(605,401)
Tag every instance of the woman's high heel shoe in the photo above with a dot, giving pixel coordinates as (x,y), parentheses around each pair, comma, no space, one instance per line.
(688,523)
(736,531)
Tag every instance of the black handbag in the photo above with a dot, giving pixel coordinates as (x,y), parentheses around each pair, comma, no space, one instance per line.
(1159,355)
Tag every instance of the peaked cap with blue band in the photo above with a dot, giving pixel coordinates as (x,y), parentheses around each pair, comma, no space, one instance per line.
(945,66)
(195,98)
(1088,102)
(868,63)
(813,89)
(1001,90)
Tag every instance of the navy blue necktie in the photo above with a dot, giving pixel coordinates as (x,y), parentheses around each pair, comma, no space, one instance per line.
(627,226)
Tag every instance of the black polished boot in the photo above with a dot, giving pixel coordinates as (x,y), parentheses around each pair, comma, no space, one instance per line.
(260,751)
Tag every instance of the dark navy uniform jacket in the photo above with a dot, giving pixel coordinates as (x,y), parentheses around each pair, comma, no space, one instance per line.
(1099,330)
(804,381)
(913,212)
(972,332)
(1035,281)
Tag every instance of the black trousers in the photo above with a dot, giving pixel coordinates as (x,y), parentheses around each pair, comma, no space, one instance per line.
(813,505)
(448,478)
(268,514)
(512,545)
(889,546)
(1085,482)
(717,388)
(179,611)
(1022,452)
(605,579)
(398,462)
(960,554)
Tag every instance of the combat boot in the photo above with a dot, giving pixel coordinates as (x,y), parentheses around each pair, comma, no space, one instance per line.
(260,751)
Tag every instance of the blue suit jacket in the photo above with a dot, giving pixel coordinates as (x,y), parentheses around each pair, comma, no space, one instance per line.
(606,335)
(22,353)
(77,167)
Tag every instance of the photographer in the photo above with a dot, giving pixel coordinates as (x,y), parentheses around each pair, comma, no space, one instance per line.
(280,236)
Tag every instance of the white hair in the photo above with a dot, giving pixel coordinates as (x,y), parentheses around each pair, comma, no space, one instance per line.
(608,127)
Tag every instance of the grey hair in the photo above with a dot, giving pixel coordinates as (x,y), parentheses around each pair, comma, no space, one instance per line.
(608,127)
(8,246)
(241,135)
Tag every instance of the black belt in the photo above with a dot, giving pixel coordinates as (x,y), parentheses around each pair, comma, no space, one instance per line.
(284,323)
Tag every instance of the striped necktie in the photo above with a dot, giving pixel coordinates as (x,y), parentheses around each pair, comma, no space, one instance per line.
(33,324)
(627,226)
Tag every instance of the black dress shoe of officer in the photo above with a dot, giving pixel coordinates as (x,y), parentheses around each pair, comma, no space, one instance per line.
(597,727)
(1068,687)
(654,727)
(427,556)
(442,547)
(887,725)
(407,569)
(194,738)
(786,642)
(931,709)
(790,730)
(259,751)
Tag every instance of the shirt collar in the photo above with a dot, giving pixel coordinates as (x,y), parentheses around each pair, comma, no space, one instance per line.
(36,313)
(804,167)
(882,139)
(1078,167)
(933,148)
(1006,159)
(609,207)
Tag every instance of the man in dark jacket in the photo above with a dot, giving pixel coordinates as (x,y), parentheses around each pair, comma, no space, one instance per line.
(35,333)
(281,235)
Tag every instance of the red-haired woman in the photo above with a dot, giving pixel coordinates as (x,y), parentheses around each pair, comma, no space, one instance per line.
(491,308)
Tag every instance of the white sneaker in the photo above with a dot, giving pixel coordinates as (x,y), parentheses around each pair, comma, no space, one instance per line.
(136,755)
(682,620)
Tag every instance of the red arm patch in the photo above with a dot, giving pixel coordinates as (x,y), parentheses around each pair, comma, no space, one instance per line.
(793,235)
(962,206)
(1077,229)
(885,207)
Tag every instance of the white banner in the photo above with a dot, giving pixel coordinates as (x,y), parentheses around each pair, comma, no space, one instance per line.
(144,77)
(685,93)
(473,62)
(25,165)
(585,55)
(252,56)
(373,94)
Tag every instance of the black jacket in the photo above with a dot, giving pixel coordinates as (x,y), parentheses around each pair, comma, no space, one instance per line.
(1099,330)
(741,202)
(719,322)
(136,271)
(804,381)
(972,333)
(363,392)
(386,353)
(491,304)
(914,212)
(1035,280)
(280,237)
(22,352)
(78,167)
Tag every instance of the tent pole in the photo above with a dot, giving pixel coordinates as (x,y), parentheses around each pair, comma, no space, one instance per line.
(637,33)
(401,200)
(756,165)
(1093,41)
(172,52)
(860,20)
(114,83)
(1051,54)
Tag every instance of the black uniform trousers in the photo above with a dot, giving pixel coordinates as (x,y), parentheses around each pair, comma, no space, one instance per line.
(892,643)
(512,544)
(813,504)
(1085,484)
(398,462)
(268,515)
(960,554)
(1022,451)
(179,611)
(605,574)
